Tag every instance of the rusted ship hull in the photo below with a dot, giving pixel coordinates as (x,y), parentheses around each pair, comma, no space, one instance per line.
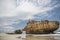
(41,26)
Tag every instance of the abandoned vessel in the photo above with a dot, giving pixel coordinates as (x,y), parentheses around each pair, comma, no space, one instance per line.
(37,27)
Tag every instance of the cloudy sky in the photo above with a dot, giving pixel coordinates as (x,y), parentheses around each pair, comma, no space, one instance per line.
(15,13)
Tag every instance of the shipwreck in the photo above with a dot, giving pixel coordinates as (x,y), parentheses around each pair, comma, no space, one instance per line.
(40,27)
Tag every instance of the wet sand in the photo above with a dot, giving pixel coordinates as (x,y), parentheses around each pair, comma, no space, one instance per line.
(30,37)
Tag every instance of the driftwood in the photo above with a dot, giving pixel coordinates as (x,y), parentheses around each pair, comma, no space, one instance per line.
(41,26)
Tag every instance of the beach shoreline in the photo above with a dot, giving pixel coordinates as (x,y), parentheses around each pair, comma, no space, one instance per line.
(30,37)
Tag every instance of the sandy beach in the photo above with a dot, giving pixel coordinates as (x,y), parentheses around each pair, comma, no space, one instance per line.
(30,37)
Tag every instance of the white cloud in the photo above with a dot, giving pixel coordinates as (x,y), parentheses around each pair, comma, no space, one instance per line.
(6,6)
(6,29)
(6,25)
(26,9)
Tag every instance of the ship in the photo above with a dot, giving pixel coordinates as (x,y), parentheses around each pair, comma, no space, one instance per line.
(41,27)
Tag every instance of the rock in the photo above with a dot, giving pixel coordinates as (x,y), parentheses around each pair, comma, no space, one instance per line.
(17,31)
(41,26)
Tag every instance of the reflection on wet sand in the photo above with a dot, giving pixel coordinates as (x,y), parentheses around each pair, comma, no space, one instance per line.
(29,37)
(40,38)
